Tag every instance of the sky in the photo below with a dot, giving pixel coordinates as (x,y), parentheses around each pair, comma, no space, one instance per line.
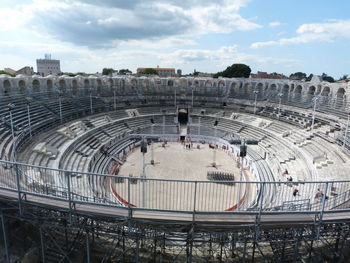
(284,36)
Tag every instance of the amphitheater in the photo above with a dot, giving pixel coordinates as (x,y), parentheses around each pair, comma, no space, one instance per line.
(74,161)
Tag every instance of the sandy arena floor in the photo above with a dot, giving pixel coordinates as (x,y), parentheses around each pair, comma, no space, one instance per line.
(176,162)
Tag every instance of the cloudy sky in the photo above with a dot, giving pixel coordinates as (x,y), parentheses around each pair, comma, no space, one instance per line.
(282,36)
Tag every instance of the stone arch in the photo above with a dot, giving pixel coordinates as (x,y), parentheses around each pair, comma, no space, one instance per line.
(292,86)
(285,89)
(208,84)
(298,89)
(22,86)
(99,86)
(273,87)
(86,86)
(62,86)
(7,87)
(49,86)
(234,89)
(340,93)
(311,90)
(326,90)
(247,88)
(170,83)
(110,84)
(75,87)
(221,84)
(36,85)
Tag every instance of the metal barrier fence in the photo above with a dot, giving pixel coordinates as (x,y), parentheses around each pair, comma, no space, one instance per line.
(173,195)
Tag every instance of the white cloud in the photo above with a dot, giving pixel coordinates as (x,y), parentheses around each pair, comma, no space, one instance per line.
(274,24)
(100,24)
(307,33)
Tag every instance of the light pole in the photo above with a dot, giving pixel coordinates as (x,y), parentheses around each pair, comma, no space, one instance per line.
(279,104)
(175,96)
(346,131)
(10,107)
(313,113)
(143,174)
(29,121)
(242,153)
(91,111)
(114,99)
(255,99)
(215,135)
(192,97)
(60,105)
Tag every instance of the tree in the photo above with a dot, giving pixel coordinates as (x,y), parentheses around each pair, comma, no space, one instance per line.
(235,71)
(6,73)
(309,78)
(107,71)
(298,76)
(124,71)
(344,77)
(327,78)
(150,71)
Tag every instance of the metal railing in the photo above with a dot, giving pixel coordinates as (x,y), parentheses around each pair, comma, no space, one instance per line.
(172,195)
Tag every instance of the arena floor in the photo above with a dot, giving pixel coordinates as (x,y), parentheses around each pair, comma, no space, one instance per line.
(174,161)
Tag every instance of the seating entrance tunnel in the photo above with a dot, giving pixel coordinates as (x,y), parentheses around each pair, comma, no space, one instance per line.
(182,116)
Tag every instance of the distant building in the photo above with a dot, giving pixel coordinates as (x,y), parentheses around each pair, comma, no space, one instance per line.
(162,72)
(179,72)
(265,75)
(28,71)
(10,71)
(48,66)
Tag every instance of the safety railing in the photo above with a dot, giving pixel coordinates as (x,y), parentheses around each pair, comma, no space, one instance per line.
(173,195)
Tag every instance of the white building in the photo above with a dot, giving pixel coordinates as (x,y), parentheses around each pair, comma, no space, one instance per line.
(48,66)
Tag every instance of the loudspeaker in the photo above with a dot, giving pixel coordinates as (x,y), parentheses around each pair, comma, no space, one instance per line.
(143,147)
(242,151)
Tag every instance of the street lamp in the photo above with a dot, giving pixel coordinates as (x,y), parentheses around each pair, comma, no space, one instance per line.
(215,135)
(91,111)
(279,103)
(346,130)
(114,98)
(255,99)
(10,107)
(242,153)
(60,104)
(192,97)
(29,121)
(314,112)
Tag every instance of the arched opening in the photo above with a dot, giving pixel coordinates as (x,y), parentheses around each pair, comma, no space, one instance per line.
(311,90)
(208,84)
(36,85)
(291,88)
(285,90)
(273,88)
(110,84)
(62,85)
(298,89)
(86,86)
(340,93)
(7,87)
(247,90)
(22,86)
(99,86)
(75,87)
(234,89)
(326,91)
(170,83)
(49,86)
